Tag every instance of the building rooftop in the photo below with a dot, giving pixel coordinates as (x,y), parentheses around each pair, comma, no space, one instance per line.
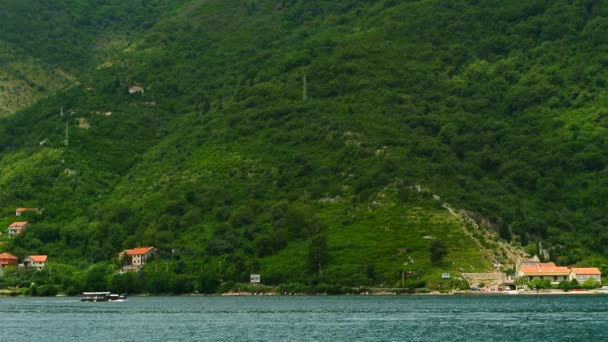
(557,270)
(20,210)
(8,256)
(139,250)
(38,258)
(586,271)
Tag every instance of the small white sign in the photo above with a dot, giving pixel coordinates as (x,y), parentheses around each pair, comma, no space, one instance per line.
(445,276)
(254,278)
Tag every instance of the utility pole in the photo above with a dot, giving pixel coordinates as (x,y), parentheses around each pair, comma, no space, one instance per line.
(453,273)
(220,266)
(67,136)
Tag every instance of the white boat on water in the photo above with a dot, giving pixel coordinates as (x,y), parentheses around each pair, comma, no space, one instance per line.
(102,297)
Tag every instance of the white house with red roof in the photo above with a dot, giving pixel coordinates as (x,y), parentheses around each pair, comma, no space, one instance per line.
(7,259)
(582,274)
(17,227)
(37,261)
(20,211)
(136,89)
(555,274)
(135,258)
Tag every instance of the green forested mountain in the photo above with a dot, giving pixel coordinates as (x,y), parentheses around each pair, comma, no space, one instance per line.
(305,140)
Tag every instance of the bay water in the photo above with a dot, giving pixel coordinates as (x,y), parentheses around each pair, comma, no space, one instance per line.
(312,318)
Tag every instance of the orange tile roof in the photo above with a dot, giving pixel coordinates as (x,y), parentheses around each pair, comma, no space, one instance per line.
(20,210)
(20,224)
(5,256)
(558,270)
(586,270)
(38,258)
(139,250)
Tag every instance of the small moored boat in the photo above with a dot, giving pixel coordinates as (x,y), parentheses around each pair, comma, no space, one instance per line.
(102,297)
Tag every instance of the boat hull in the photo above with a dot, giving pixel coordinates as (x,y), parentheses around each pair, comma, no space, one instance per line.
(102,297)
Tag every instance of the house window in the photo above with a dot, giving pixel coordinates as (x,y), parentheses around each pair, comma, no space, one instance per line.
(554,278)
(542,277)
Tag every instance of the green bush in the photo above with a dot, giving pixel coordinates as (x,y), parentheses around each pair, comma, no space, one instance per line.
(591,283)
(438,250)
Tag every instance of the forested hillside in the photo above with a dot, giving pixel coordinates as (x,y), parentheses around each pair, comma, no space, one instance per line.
(23,79)
(46,45)
(303,140)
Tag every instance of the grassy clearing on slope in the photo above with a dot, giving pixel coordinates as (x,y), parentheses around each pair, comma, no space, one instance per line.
(380,244)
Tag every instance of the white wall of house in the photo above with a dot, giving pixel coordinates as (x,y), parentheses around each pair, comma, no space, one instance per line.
(38,265)
(139,259)
(581,278)
(136,260)
(553,278)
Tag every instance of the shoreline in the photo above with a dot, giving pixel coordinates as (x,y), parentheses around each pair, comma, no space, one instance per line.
(547,292)
(376,292)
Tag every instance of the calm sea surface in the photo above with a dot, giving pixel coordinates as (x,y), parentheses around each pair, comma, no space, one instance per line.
(396,318)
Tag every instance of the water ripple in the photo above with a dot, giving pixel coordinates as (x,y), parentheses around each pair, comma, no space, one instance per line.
(400,318)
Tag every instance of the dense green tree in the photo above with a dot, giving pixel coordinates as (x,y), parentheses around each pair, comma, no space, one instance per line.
(318,254)
(438,250)
(95,278)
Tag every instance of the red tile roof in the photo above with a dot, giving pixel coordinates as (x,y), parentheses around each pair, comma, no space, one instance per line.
(5,256)
(559,270)
(586,271)
(139,250)
(20,210)
(19,224)
(38,258)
